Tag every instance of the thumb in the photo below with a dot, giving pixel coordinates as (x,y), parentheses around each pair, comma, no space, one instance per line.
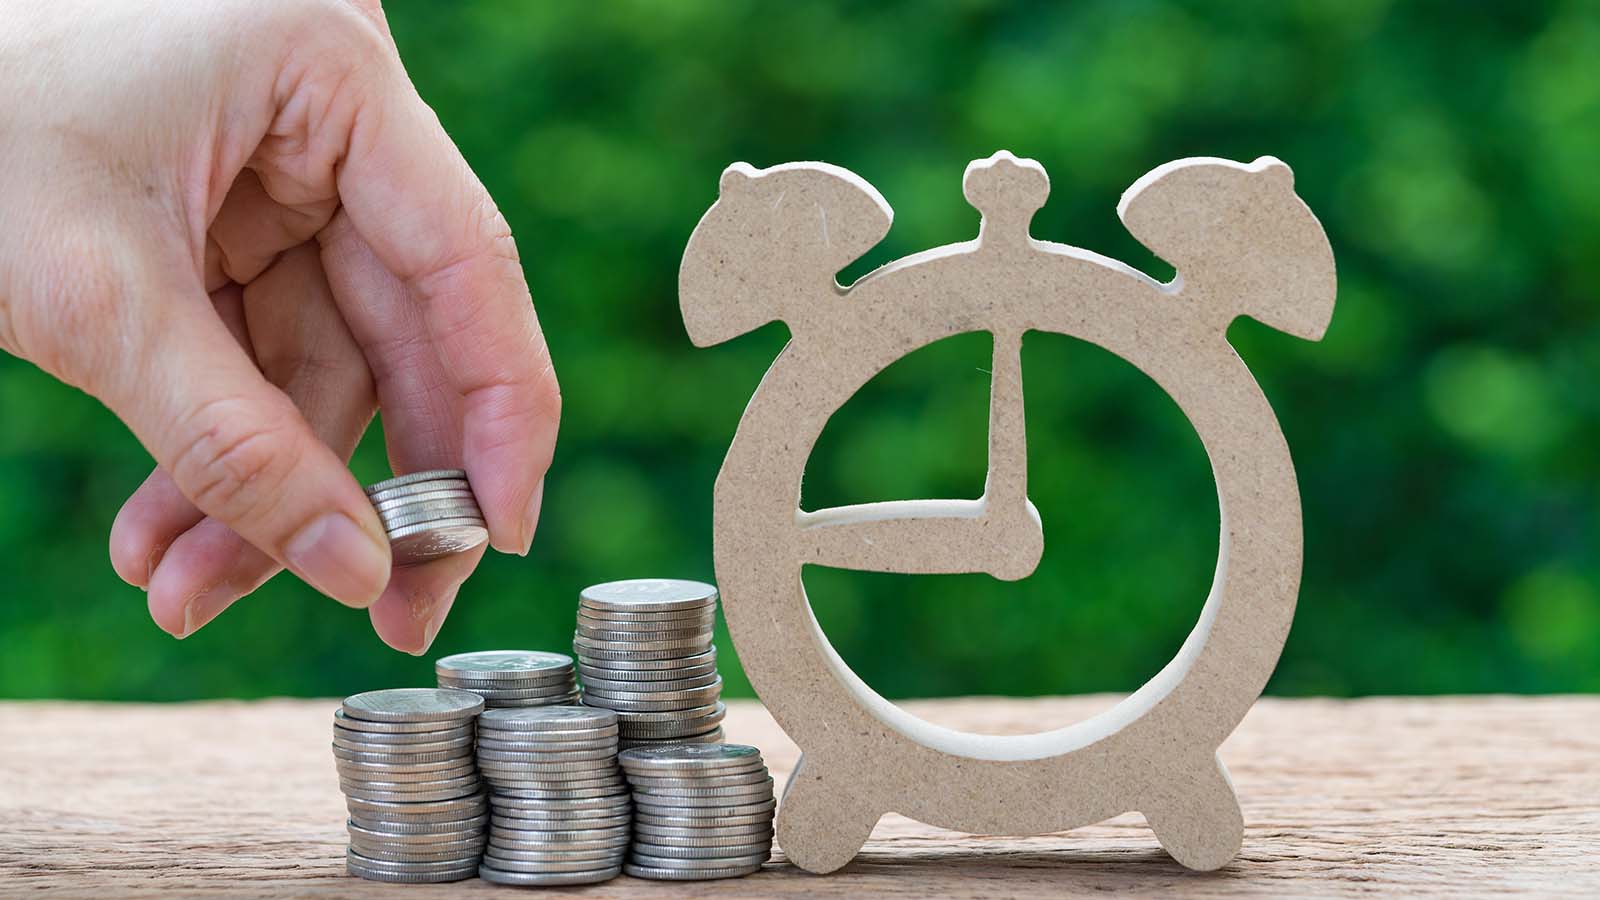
(241,452)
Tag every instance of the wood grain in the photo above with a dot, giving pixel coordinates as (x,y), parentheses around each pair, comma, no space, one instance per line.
(1452,796)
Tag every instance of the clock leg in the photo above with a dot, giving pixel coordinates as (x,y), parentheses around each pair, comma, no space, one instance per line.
(821,821)
(1197,819)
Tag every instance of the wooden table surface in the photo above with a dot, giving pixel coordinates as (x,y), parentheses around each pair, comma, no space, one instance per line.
(1438,795)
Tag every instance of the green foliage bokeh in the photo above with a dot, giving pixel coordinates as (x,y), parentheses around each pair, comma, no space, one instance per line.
(1443,431)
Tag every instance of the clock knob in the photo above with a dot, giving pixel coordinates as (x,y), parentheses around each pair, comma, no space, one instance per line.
(1007,191)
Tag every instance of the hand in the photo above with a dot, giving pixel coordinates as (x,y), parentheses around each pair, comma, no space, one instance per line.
(239,227)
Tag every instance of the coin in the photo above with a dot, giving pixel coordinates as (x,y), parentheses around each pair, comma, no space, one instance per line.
(610,686)
(725,861)
(414,477)
(404,738)
(692,759)
(681,821)
(672,636)
(649,595)
(503,665)
(472,828)
(379,865)
(340,720)
(652,651)
(415,544)
(427,514)
(500,876)
(623,667)
(413,705)
(563,719)
(407,796)
(418,853)
(668,834)
(431,494)
(400,749)
(403,771)
(722,779)
(696,874)
(700,807)
(461,807)
(603,855)
(649,625)
(437,825)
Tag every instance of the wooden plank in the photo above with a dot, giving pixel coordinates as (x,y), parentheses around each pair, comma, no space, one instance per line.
(1341,798)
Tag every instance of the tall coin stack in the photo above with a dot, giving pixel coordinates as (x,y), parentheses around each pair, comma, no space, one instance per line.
(506,678)
(700,811)
(428,515)
(417,808)
(560,810)
(644,651)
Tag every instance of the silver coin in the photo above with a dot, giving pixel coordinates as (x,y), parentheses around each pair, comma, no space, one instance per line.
(561,815)
(649,594)
(604,628)
(538,761)
(412,512)
(553,693)
(424,827)
(708,842)
(454,758)
(545,866)
(530,790)
(711,737)
(705,830)
(647,621)
(427,518)
(414,477)
(646,703)
(552,807)
(603,856)
(416,544)
(413,705)
(607,753)
(702,808)
(466,779)
(526,703)
(463,740)
(407,796)
(575,778)
(462,807)
(686,855)
(698,874)
(730,793)
(613,636)
(385,836)
(495,665)
(500,824)
(668,862)
(409,877)
(406,771)
(650,691)
(637,720)
(549,678)
(530,744)
(432,494)
(562,719)
(677,820)
(408,853)
(525,689)
(617,650)
(692,758)
(753,777)
(403,738)
(623,668)
(605,846)
(659,730)
(384,865)
(340,720)
(610,686)
(530,839)
(529,879)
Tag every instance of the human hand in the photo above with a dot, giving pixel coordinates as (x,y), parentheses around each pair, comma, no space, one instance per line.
(239,227)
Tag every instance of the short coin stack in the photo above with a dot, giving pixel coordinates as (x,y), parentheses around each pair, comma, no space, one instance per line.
(560,809)
(511,677)
(428,515)
(700,811)
(417,807)
(644,651)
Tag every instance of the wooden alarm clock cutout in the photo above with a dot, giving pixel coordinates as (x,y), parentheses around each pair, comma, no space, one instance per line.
(769,249)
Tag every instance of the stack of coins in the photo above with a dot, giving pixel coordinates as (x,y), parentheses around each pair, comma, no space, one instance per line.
(417,808)
(560,810)
(511,677)
(644,651)
(701,811)
(428,515)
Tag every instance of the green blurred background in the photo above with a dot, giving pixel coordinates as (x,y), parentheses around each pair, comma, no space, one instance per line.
(1444,431)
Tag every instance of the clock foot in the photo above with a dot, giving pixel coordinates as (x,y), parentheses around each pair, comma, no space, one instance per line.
(821,824)
(1199,821)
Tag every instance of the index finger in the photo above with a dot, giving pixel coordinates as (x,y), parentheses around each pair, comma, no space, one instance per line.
(427,217)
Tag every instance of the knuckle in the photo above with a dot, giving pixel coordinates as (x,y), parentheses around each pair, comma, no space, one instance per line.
(232,460)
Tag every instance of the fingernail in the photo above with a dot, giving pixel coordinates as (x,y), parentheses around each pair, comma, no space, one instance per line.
(436,620)
(340,559)
(530,519)
(204,605)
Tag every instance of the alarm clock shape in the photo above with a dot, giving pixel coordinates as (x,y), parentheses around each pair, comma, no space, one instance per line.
(769,248)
